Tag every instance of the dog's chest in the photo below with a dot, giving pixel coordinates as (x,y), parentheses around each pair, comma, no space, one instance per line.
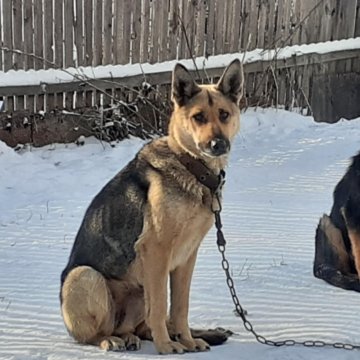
(191,227)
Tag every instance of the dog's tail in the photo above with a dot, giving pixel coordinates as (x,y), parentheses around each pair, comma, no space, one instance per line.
(332,261)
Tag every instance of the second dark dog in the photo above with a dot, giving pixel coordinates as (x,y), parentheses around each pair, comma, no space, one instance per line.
(337,242)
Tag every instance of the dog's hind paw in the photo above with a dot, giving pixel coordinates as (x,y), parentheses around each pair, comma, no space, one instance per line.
(132,342)
(112,343)
(212,336)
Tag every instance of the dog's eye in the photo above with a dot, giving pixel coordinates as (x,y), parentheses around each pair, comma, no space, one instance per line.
(223,115)
(200,118)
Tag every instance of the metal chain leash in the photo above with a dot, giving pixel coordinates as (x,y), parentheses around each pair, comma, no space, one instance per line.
(221,242)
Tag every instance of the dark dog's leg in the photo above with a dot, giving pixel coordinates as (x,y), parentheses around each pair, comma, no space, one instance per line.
(332,262)
(351,214)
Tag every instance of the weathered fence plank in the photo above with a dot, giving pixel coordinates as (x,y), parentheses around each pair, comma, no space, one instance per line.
(286,22)
(7,38)
(200,28)
(219,27)
(58,29)
(98,32)
(88,31)
(173,31)
(210,29)
(145,21)
(163,28)
(136,31)
(236,15)
(18,27)
(253,24)
(326,19)
(263,13)
(245,27)
(48,33)
(182,21)
(156,13)
(294,23)
(122,31)
(68,33)
(347,23)
(190,28)
(228,26)
(78,30)
(38,34)
(108,27)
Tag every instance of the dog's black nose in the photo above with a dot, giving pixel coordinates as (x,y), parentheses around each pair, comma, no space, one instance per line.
(219,146)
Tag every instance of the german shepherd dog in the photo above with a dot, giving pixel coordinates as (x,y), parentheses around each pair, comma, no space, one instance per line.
(146,225)
(337,242)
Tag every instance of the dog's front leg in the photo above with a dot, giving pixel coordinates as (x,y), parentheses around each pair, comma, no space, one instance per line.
(180,281)
(156,273)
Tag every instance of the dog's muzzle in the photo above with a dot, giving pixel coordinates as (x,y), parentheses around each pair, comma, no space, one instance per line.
(219,146)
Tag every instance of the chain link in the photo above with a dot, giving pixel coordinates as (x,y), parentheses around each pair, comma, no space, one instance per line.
(221,243)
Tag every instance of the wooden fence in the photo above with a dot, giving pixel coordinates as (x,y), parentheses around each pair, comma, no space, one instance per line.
(93,32)
(39,34)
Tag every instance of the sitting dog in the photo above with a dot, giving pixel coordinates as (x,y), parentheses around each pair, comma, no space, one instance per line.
(146,225)
(337,242)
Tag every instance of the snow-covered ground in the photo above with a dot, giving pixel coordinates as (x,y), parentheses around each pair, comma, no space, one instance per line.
(280,180)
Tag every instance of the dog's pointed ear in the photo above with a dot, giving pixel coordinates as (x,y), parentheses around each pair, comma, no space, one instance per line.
(232,81)
(183,85)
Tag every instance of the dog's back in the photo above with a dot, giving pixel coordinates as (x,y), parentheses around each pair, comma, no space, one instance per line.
(112,224)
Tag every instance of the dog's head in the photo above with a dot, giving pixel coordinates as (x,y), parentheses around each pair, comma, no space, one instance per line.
(206,117)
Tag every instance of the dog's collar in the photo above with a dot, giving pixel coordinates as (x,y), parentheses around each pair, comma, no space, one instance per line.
(202,173)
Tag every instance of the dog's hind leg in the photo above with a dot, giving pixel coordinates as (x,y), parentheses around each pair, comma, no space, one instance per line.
(332,261)
(329,247)
(351,214)
(88,309)
(355,245)
(133,308)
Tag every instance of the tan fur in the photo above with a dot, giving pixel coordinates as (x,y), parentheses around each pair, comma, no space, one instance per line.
(177,218)
(355,248)
(354,237)
(85,291)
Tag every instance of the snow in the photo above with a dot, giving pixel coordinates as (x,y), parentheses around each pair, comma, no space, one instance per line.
(279,182)
(55,76)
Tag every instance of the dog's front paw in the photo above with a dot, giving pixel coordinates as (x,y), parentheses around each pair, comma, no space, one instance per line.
(201,345)
(194,344)
(170,347)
